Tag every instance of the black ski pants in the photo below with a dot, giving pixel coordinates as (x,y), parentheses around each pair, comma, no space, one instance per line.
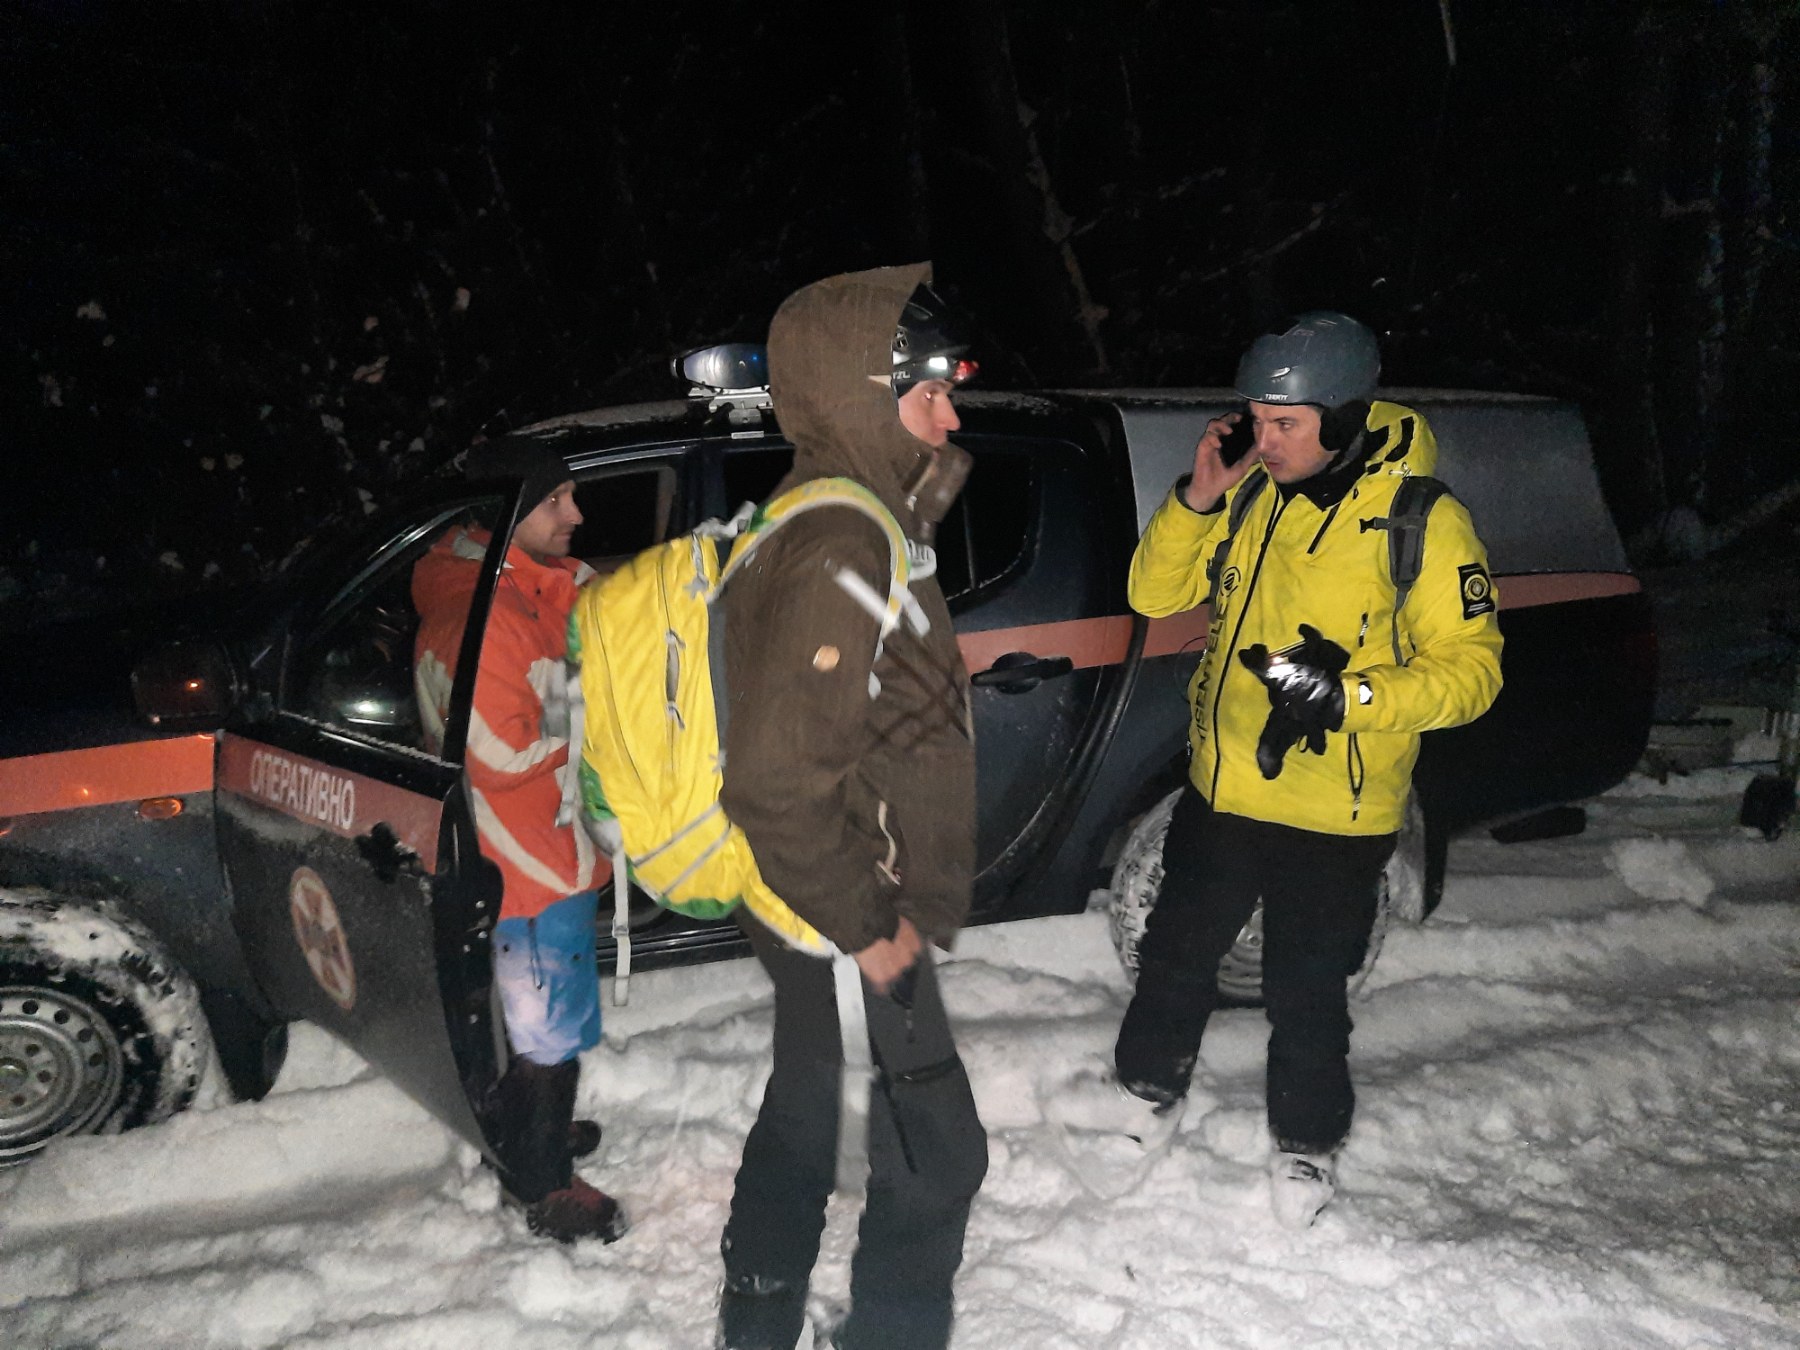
(927,1157)
(1319,898)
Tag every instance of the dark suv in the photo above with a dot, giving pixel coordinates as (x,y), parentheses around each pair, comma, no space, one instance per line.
(274,839)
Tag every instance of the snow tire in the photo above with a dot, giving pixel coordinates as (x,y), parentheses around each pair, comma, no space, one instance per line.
(100,1031)
(1406,893)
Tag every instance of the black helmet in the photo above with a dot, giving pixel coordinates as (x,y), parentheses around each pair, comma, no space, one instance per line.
(1325,358)
(929,343)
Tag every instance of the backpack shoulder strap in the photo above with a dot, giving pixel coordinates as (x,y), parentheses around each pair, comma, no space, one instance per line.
(1240,507)
(888,611)
(1405,526)
(807,496)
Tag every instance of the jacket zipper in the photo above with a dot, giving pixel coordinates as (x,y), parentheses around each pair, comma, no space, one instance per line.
(1262,552)
(1324,525)
(1357,770)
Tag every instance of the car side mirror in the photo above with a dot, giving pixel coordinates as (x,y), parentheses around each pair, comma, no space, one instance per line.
(188,686)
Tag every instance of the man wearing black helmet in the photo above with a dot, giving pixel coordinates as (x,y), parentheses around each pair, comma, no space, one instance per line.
(850,767)
(1307,709)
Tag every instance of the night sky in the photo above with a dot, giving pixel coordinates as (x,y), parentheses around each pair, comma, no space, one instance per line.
(265,261)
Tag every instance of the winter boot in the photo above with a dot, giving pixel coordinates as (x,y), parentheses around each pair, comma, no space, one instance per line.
(759,1312)
(584,1138)
(577,1211)
(537,1127)
(1097,1102)
(1300,1185)
(1109,1137)
(584,1135)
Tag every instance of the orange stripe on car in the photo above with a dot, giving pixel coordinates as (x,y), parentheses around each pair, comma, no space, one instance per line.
(1086,642)
(1526,590)
(1092,643)
(326,797)
(1089,643)
(104,774)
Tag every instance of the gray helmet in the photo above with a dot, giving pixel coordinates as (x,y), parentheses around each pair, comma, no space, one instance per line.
(1326,358)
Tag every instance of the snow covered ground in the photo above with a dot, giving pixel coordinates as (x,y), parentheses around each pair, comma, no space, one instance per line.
(1579,1126)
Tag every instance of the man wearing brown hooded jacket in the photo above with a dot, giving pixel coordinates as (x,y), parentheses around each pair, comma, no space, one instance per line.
(850,767)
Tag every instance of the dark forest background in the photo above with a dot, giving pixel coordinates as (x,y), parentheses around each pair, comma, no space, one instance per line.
(265,263)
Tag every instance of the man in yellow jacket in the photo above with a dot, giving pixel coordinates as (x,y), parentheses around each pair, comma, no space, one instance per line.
(1306,714)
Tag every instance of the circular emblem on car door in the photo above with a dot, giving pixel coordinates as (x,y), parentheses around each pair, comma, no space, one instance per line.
(321,937)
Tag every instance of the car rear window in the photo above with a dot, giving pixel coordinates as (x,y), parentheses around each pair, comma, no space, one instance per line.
(624,511)
(984,538)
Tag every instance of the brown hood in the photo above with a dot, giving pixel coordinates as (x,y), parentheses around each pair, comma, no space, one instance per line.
(826,342)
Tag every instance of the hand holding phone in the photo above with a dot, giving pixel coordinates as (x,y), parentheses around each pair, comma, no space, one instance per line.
(1239,439)
(1221,458)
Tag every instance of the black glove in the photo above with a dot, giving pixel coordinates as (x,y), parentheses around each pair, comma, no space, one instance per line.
(1306,694)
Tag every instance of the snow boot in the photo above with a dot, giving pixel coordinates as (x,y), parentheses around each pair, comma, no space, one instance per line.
(584,1138)
(1096,1101)
(760,1312)
(1110,1137)
(537,1128)
(575,1212)
(1300,1185)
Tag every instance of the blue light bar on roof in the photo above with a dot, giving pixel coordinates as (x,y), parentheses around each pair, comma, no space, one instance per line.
(725,368)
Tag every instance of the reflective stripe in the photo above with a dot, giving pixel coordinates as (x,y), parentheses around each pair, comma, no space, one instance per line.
(706,855)
(858,1075)
(495,833)
(492,752)
(467,547)
(431,685)
(585,857)
(621,929)
(867,598)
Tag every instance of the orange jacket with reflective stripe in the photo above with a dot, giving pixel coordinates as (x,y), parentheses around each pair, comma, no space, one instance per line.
(518,747)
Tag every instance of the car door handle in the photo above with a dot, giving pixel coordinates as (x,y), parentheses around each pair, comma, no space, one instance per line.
(386,855)
(1021,672)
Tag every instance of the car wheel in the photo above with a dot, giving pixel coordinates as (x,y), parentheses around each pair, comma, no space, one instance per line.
(1407,893)
(99,1030)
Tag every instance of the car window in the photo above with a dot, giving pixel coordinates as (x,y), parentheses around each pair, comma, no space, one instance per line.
(751,475)
(380,657)
(625,510)
(984,538)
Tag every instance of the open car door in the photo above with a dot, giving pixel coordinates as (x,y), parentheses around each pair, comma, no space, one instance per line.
(359,895)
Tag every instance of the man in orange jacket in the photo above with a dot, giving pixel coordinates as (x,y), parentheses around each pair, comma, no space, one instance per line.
(516,764)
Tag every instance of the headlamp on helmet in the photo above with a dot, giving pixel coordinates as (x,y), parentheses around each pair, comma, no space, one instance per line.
(928,344)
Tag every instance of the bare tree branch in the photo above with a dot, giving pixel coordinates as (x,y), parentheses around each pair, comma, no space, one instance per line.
(1255,257)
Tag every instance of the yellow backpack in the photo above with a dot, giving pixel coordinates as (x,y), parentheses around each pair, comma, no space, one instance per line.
(651,656)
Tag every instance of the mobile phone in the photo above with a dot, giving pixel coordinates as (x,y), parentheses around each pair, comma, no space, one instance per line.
(1239,439)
